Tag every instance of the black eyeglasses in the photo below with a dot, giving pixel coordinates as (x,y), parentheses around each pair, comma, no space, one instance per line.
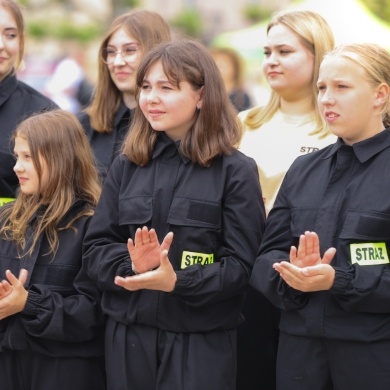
(129,54)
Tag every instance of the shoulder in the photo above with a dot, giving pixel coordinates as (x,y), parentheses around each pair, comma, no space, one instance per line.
(85,122)
(307,160)
(34,97)
(239,162)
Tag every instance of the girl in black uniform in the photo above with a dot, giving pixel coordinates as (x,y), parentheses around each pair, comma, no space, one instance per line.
(181,182)
(51,324)
(324,259)
(17,99)
(109,115)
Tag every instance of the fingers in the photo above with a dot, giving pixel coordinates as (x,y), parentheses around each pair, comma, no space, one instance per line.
(23,276)
(293,253)
(11,277)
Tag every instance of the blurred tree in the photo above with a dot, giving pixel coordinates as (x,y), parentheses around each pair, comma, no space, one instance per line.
(189,22)
(256,13)
(120,6)
(381,8)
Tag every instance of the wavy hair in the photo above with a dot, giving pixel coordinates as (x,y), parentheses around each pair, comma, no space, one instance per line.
(57,138)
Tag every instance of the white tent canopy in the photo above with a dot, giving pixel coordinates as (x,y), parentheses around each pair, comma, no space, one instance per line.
(349,20)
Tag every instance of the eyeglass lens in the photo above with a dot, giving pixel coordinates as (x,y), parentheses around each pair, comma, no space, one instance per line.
(129,53)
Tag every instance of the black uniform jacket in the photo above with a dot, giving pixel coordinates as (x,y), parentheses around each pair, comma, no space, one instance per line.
(62,316)
(17,102)
(217,217)
(342,193)
(106,146)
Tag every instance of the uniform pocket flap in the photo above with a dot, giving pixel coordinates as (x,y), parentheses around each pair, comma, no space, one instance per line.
(367,225)
(135,210)
(194,212)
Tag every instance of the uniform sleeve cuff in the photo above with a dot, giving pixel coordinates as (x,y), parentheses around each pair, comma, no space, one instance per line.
(341,282)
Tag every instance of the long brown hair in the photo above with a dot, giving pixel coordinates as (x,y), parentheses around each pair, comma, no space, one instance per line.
(148,28)
(58,138)
(216,129)
(314,33)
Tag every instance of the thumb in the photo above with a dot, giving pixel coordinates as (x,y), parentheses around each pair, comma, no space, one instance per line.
(164,257)
(23,276)
(328,256)
(166,244)
(313,270)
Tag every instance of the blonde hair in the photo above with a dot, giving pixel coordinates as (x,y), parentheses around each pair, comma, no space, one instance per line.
(375,60)
(58,138)
(316,35)
(216,130)
(148,28)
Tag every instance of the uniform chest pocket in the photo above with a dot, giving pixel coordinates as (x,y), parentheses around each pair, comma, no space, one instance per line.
(194,212)
(135,210)
(364,226)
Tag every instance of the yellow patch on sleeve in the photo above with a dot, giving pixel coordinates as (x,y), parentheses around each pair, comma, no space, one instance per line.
(191,258)
(369,253)
(3,201)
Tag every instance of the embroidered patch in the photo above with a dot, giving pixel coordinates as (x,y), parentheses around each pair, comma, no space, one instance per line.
(191,258)
(369,253)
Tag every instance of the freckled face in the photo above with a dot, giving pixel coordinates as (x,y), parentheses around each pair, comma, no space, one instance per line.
(167,107)
(9,42)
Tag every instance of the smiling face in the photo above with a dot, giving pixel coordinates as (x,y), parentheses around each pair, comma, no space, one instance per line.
(167,107)
(9,42)
(288,64)
(349,103)
(123,72)
(25,169)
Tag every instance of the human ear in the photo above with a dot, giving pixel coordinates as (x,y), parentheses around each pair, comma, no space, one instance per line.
(200,101)
(381,94)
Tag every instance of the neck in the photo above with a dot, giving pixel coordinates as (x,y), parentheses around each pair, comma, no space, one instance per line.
(129,100)
(302,106)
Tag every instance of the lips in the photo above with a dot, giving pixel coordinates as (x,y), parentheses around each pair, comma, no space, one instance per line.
(331,116)
(155,113)
(22,180)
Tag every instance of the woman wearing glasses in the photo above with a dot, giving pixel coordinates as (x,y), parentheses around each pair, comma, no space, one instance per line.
(107,119)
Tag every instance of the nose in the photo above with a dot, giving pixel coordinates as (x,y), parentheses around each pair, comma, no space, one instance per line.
(326,98)
(272,59)
(18,167)
(152,96)
(119,60)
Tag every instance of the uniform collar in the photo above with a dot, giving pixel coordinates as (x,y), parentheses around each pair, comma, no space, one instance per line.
(366,149)
(163,142)
(123,111)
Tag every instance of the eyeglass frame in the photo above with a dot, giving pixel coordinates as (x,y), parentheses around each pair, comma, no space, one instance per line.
(104,54)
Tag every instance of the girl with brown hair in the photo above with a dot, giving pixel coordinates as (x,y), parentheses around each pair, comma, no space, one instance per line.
(182,182)
(51,325)
(107,119)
